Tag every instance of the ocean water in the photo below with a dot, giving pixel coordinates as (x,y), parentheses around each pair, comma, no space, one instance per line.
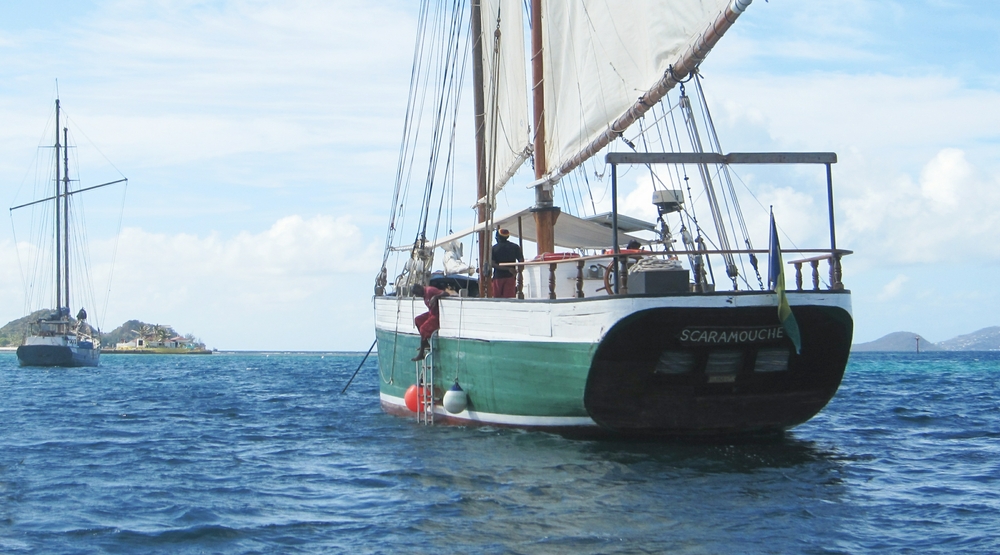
(260,453)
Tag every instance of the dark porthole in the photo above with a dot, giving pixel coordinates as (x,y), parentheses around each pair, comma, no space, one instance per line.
(675,362)
(771,360)
(724,362)
(722,366)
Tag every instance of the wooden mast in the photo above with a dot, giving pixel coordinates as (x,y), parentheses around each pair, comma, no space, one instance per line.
(545,213)
(479,106)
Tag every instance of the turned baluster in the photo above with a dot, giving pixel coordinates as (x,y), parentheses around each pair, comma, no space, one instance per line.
(623,268)
(552,281)
(836,273)
(520,282)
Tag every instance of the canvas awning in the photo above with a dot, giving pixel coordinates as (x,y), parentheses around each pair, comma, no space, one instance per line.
(571,232)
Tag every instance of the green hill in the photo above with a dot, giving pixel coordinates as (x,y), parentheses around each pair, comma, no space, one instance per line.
(129,330)
(15,331)
(986,339)
(898,341)
(151,332)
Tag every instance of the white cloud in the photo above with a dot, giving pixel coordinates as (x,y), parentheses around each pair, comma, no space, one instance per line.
(949,213)
(281,287)
(944,179)
(288,281)
(893,288)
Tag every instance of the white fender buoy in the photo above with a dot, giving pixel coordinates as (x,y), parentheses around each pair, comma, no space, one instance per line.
(455,399)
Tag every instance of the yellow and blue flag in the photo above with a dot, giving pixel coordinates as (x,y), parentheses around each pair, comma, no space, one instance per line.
(776,281)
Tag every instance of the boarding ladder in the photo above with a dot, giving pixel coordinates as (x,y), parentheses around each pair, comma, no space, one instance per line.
(425,387)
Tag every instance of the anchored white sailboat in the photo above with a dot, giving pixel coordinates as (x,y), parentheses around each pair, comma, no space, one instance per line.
(599,338)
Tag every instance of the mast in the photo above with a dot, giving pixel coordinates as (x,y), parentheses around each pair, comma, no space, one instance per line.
(545,213)
(58,219)
(479,106)
(66,211)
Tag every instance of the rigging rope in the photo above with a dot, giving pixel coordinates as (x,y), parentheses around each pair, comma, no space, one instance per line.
(437,73)
(725,170)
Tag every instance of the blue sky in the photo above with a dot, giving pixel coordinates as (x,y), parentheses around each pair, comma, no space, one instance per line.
(260,140)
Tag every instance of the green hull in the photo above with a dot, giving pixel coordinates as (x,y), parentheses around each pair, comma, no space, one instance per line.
(500,377)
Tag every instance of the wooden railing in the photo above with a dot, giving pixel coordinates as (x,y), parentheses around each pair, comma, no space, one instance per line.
(836,271)
(833,257)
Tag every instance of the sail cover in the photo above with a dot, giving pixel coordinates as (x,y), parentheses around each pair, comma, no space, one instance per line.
(505,90)
(599,56)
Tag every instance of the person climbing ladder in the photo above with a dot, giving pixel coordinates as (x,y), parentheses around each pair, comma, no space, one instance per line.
(428,322)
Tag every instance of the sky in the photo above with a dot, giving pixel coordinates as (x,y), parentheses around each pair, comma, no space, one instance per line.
(260,139)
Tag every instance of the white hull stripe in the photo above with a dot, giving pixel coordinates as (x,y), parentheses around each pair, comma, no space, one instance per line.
(503,419)
(569,321)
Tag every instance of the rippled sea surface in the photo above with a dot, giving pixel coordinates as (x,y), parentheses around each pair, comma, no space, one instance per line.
(260,453)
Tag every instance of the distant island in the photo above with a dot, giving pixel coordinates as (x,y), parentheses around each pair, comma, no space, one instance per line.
(132,337)
(986,339)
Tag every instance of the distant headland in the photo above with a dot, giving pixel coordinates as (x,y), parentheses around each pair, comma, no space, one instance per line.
(132,337)
(986,339)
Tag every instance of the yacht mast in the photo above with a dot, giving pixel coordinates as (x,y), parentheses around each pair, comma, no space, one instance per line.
(66,211)
(545,213)
(58,218)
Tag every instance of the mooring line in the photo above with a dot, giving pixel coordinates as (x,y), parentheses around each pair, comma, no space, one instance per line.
(359,366)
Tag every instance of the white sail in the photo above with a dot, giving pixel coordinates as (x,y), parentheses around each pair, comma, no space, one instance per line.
(505,90)
(600,56)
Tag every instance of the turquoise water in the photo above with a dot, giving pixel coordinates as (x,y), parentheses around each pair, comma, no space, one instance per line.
(255,453)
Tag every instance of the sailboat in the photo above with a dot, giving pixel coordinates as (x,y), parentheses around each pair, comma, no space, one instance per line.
(600,338)
(56,338)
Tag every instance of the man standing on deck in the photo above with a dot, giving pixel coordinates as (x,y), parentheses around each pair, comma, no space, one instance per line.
(504,283)
(428,322)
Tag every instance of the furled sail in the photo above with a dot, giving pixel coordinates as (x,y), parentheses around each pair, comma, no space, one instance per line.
(505,90)
(600,56)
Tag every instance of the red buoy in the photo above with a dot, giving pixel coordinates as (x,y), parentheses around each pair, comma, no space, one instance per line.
(411,397)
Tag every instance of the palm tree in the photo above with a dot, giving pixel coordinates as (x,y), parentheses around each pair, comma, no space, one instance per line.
(162,333)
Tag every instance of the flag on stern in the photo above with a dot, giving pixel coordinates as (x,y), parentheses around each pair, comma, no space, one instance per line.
(776,281)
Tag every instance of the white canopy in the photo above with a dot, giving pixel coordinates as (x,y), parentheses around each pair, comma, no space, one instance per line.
(571,232)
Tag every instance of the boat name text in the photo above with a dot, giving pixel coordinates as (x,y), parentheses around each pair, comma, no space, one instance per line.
(717,336)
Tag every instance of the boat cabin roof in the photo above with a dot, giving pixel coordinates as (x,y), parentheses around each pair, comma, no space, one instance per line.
(571,232)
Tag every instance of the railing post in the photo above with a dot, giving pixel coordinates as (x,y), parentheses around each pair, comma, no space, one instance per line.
(815,267)
(614,226)
(623,267)
(829,197)
(552,281)
(798,276)
(579,279)
(836,273)
(520,281)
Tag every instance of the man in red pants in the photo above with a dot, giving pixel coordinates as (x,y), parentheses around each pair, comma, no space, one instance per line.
(504,282)
(428,322)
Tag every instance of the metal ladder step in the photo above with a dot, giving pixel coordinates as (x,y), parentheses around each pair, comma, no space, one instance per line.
(425,388)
